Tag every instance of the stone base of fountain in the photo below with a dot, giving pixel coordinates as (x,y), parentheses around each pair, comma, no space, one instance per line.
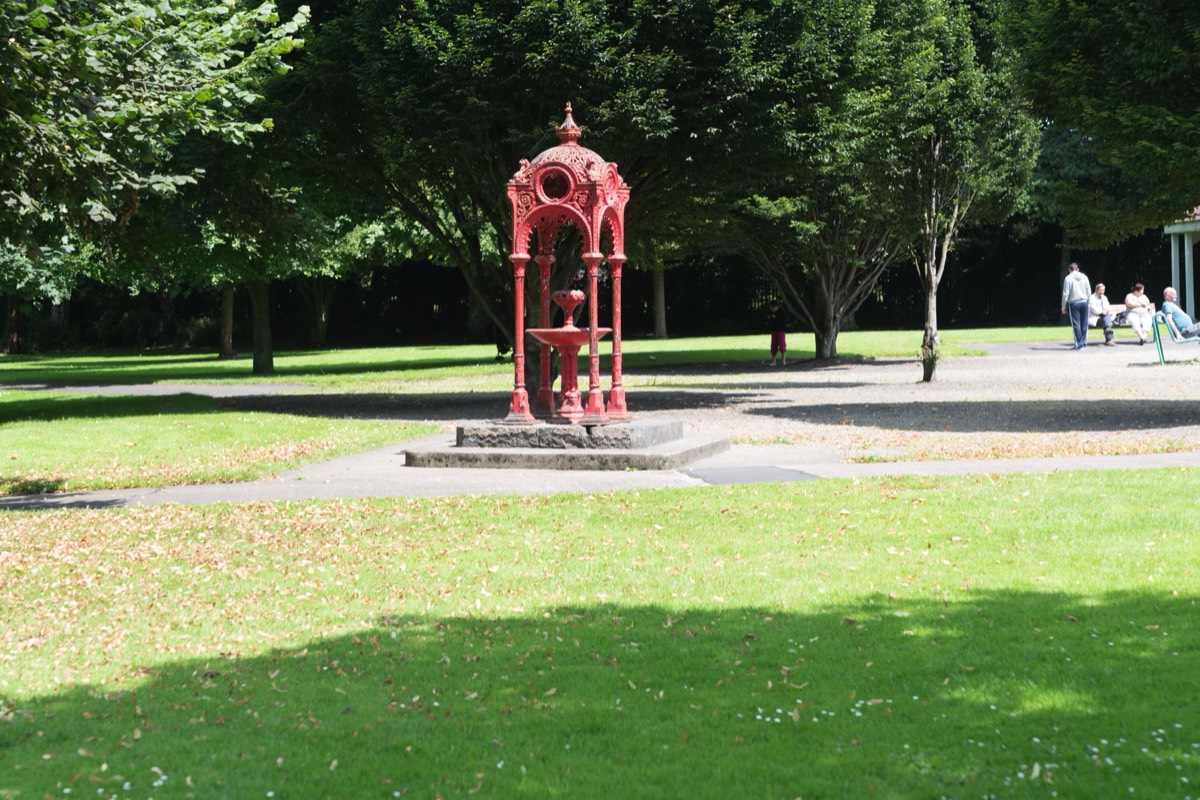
(640,444)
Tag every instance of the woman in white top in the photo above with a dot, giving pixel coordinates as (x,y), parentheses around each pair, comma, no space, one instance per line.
(1139,311)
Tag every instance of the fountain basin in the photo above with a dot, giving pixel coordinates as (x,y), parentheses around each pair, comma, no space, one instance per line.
(566,336)
(567,340)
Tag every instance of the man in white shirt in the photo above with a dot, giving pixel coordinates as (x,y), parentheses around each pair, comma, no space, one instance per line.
(1100,314)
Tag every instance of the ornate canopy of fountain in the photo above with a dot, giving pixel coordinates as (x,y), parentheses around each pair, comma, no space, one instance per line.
(568,183)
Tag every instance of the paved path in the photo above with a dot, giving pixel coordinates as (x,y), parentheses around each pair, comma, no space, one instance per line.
(1018,390)
(381,473)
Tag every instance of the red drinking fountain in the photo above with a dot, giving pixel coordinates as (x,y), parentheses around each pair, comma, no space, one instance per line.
(567,340)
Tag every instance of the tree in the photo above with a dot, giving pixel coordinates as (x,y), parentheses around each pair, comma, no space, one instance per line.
(428,107)
(29,276)
(835,215)
(1121,77)
(1093,201)
(245,225)
(96,93)
(976,139)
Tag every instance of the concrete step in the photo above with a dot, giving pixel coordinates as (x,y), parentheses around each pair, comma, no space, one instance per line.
(636,434)
(665,455)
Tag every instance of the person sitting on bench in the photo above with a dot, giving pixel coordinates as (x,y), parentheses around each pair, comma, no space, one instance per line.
(1177,319)
(1100,315)
(1139,311)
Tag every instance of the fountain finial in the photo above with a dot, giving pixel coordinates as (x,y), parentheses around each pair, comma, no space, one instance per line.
(568,132)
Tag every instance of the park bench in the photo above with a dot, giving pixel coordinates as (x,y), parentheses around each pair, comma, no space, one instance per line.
(1174,334)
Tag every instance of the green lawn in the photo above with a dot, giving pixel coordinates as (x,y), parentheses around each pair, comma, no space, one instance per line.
(51,441)
(369,368)
(963,637)
(54,441)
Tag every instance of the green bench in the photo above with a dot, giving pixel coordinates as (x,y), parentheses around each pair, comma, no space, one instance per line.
(1160,317)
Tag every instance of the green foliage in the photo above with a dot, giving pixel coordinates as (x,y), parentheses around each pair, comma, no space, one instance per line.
(96,93)
(1096,203)
(46,272)
(446,99)
(918,127)
(1119,78)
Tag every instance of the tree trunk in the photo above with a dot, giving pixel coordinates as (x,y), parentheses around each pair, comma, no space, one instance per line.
(167,329)
(826,338)
(260,306)
(226,346)
(318,291)
(660,304)
(931,341)
(60,314)
(1064,262)
(15,340)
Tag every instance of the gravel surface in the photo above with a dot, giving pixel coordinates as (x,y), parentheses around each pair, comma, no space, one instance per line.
(1021,400)
(1021,408)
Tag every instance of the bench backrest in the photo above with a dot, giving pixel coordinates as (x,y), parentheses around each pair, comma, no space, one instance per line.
(1160,316)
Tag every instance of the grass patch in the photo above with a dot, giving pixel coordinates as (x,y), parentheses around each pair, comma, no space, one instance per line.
(51,441)
(918,637)
(336,367)
(370,368)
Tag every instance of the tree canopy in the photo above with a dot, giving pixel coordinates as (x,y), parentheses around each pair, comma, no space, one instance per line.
(1121,77)
(915,129)
(429,107)
(95,94)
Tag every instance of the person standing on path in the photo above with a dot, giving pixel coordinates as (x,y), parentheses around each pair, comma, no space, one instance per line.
(1076,291)
(777,325)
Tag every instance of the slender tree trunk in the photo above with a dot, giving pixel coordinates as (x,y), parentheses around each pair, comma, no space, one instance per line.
(320,333)
(1064,261)
(660,304)
(931,342)
(226,346)
(167,329)
(318,292)
(60,314)
(260,306)
(15,340)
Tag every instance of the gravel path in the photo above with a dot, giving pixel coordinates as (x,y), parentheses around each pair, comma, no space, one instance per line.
(1021,400)
(1022,408)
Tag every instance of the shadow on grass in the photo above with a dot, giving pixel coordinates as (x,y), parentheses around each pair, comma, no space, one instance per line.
(19,484)
(71,406)
(153,368)
(476,405)
(1008,693)
(1102,417)
(27,496)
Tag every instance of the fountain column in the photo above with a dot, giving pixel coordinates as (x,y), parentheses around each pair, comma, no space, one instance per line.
(593,410)
(545,394)
(617,412)
(518,408)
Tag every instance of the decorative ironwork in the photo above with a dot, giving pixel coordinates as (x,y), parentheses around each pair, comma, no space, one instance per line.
(568,183)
